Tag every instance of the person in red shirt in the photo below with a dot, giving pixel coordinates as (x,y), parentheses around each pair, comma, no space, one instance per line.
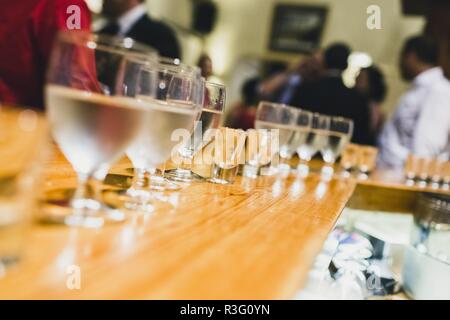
(27,31)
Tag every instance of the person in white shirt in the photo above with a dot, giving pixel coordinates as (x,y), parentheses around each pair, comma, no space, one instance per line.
(421,122)
(129,18)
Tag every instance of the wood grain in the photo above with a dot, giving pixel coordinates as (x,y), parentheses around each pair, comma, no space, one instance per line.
(255,239)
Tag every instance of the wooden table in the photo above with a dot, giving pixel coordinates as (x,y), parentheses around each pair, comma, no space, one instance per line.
(255,239)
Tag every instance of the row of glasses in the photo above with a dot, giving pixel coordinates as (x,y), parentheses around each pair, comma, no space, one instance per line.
(92,118)
(304,133)
(168,69)
(175,109)
(104,97)
(359,159)
(433,172)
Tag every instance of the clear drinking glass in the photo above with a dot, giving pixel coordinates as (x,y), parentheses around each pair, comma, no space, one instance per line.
(302,131)
(94,117)
(435,171)
(229,146)
(339,134)
(316,138)
(23,148)
(367,159)
(172,113)
(261,147)
(167,68)
(349,159)
(273,116)
(210,119)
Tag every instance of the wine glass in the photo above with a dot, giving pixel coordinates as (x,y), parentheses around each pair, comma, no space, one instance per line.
(213,107)
(273,116)
(92,116)
(167,68)
(339,134)
(168,116)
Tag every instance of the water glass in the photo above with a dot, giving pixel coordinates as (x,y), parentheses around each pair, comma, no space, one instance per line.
(349,158)
(229,146)
(261,147)
(210,119)
(273,116)
(91,84)
(367,158)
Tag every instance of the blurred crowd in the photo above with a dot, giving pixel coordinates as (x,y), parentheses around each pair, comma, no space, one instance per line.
(419,125)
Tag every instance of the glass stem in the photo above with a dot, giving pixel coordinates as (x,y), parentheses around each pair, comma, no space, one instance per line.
(140,193)
(81,191)
(85,196)
(186,163)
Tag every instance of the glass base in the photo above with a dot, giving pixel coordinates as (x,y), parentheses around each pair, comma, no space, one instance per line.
(87,213)
(284,170)
(250,172)
(223,175)
(131,199)
(162,184)
(302,171)
(327,172)
(219,181)
(268,171)
(158,183)
(183,175)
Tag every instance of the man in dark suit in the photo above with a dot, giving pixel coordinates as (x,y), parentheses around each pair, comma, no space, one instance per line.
(128,18)
(330,96)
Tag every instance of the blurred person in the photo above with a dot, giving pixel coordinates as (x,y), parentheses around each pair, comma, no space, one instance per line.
(27,32)
(206,66)
(129,18)
(371,83)
(421,122)
(329,95)
(243,113)
(438,27)
(282,86)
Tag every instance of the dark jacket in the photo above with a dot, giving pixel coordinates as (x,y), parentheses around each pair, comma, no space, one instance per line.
(330,96)
(155,34)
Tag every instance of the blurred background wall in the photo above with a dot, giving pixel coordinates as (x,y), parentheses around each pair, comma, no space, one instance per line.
(240,38)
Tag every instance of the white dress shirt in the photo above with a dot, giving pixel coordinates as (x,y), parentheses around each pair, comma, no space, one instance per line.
(129,19)
(421,123)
